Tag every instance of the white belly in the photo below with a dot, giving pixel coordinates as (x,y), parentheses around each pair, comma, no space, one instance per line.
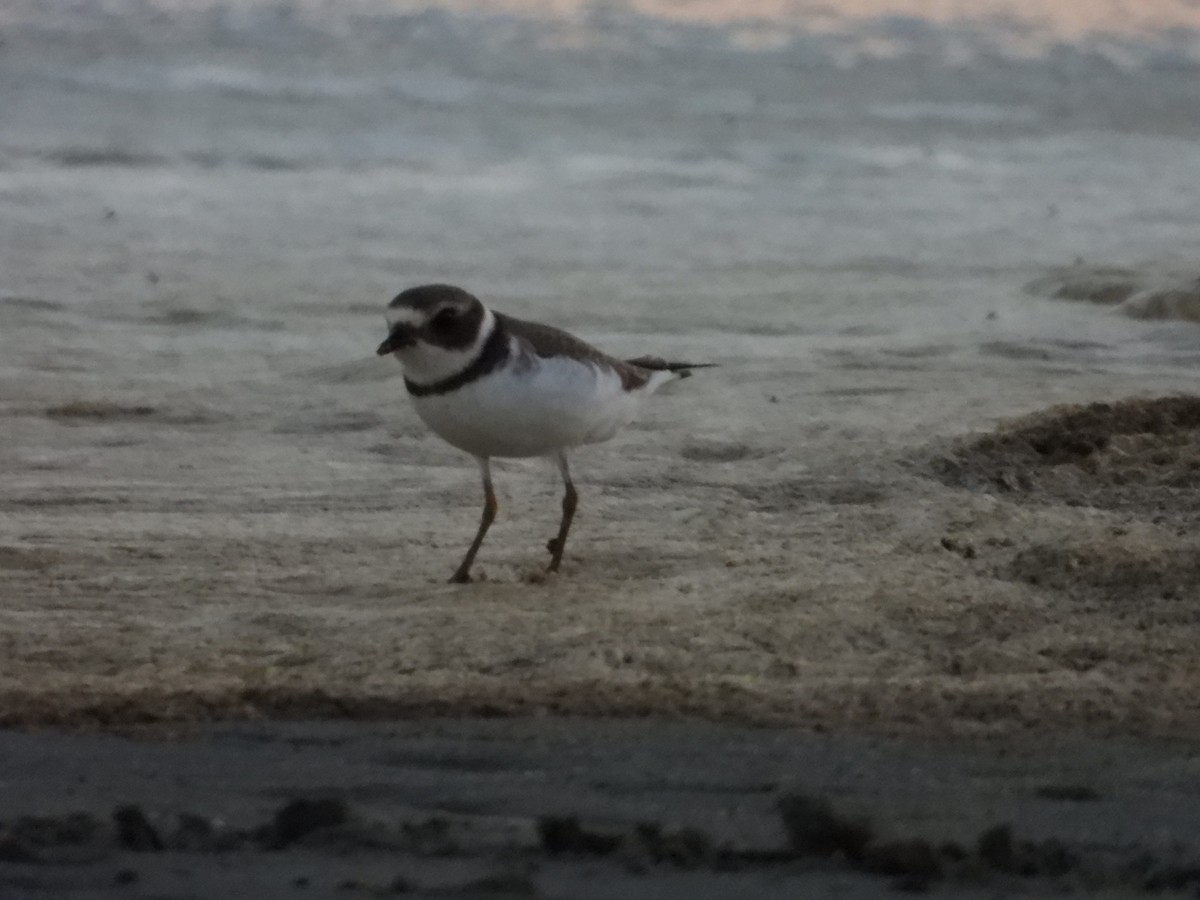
(532,408)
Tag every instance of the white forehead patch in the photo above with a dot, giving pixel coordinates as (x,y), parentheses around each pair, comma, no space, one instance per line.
(406,315)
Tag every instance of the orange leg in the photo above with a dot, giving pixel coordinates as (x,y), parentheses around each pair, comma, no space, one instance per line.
(558,544)
(463,574)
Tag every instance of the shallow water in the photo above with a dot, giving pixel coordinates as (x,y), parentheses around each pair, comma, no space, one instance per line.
(246,184)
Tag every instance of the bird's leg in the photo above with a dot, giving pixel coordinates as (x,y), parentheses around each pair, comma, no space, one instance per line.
(463,575)
(556,545)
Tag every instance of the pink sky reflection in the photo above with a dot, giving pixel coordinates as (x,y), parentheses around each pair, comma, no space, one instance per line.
(1062,17)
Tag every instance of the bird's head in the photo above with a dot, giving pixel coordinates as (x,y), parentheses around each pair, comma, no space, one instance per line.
(435,329)
(436,314)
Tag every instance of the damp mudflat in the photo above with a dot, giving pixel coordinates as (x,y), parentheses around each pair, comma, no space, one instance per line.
(565,807)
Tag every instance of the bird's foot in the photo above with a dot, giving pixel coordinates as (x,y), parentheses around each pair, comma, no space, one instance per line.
(555,554)
(462,576)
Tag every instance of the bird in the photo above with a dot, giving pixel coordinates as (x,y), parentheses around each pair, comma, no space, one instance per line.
(494,385)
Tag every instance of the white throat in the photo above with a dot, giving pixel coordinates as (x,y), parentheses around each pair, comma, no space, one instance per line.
(428,364)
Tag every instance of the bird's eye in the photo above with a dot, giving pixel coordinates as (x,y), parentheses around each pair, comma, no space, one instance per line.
(445,318)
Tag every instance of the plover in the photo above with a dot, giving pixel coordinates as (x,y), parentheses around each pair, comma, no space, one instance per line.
(493,385)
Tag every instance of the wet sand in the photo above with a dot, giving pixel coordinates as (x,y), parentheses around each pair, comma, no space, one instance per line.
(576,808)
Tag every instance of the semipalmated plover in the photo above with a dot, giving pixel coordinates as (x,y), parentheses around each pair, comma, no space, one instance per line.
(493,385)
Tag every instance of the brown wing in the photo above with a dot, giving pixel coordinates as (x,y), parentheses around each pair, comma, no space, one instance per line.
(547,342)
(658,364)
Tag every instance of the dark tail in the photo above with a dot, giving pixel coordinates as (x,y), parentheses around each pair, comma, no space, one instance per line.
(658,364)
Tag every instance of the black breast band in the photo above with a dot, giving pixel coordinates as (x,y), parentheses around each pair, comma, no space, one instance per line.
(493,353)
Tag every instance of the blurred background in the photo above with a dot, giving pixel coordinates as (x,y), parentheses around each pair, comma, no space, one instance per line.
(195,179)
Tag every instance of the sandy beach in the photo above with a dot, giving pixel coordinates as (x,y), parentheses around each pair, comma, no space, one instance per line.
(173,559)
